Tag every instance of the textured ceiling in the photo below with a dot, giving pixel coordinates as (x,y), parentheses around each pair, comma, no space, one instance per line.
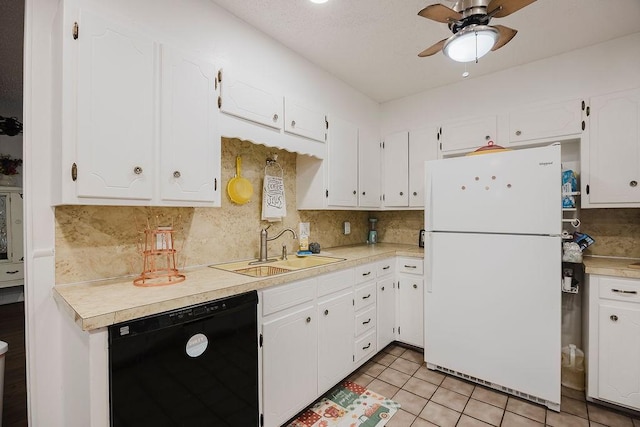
(373,44)
(11,42)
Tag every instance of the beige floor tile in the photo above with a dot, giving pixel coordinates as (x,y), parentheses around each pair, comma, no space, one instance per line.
(458,386)
(413,355)
(404,365)
(440,415)
(483,411)
(595,424)
(491,397)
(373,369)
(401,419)
(394,377)
(636,422)
(382,388)
(573,407)
(527,409)
(385,359)
(563,419)
(608,417)
(574,394)
(467,421)
(361,378)
(514,420)
(410,402)
(394,349)
(450,399)
(420,387)
(434,377)
(419,422)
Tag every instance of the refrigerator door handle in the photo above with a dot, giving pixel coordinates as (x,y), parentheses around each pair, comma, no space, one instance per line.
(428,270)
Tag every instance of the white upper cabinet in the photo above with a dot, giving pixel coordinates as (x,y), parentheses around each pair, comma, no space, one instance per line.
(542,122)
(241,97)
(369,165)
(396,164)
(305,121)
(342,163)
(611,153)
(115,110)
(468,134)
(423,146)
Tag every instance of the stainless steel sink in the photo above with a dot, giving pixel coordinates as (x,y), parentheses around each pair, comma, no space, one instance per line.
(249,268)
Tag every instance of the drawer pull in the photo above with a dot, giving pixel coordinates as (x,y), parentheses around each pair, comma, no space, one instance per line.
(410,266)
(366,346)
(366,296)
(622,291)
(387,267)
(13,272)
(613,317)
(367,273)
(366,322)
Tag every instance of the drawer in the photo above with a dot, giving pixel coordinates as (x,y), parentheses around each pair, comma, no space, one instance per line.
(386,267)
(365,272)
(11,272)
(620,289)
(366,320)
(365,296)
(411,265)
(334,282)
(289,295)
(366,346)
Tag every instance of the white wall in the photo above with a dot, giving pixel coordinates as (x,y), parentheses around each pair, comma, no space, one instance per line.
(594,70)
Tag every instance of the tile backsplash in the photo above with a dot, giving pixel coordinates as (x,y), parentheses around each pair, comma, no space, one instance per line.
(616,231)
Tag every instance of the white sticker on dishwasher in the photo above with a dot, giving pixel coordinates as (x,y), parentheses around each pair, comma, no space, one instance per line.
(196,345)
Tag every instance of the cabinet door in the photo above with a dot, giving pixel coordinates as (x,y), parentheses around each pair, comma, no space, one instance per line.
(343,163)
(423,146)
(396,164)
(386,327)
(190,145)
(243,98)
(17,230)
(369,165)
(619,353)
(554,120)
(305,121)
(115,110)
(289,364)
(411,310)
(468,134)
(335,340)
(614,148)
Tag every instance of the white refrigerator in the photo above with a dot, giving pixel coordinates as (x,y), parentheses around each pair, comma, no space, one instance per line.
(493,265)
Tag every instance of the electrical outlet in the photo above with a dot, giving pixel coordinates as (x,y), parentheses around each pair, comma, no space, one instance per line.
(347,227)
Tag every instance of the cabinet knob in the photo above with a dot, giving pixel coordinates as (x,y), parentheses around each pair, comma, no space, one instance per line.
(415,193)
(363,193)
(518,133)
(415,286)
(401,193)
(137,170)
(487,137)
(176,174)
(293,123)
(613,317)
(275,118)
(308,319)
(355,192)
(633,183)
(326,312)
(382,288)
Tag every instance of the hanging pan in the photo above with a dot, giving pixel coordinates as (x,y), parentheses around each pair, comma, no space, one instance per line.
(239,189)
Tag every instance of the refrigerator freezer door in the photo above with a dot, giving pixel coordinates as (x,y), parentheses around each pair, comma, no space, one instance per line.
(515,192)
(492,309)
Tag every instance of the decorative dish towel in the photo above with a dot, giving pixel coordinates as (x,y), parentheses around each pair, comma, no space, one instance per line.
(274,206)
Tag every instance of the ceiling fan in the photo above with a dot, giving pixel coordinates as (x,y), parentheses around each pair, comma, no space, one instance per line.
(472,37)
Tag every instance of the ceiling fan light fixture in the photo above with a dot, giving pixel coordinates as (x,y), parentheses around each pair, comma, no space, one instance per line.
(471,43)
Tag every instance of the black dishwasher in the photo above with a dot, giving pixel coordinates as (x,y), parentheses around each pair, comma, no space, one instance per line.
(196,366)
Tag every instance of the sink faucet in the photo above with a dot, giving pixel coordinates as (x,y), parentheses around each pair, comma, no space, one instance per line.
(264,238)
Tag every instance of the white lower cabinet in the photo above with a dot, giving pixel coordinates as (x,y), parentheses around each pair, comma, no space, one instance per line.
(386,296)
(613,348)
(410,301)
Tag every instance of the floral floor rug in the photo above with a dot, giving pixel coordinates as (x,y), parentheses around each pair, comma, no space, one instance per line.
(348,405)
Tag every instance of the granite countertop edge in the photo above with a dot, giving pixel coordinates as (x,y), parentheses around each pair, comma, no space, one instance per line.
(611,266)
(98,304)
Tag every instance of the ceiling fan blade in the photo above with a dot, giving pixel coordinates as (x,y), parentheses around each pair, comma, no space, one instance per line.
(506,34)
(440,13)
(431,50)
(502,8)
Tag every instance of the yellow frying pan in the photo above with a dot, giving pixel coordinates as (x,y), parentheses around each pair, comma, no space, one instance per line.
(239,189)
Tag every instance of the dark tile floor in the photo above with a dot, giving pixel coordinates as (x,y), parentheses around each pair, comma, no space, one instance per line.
(430,398)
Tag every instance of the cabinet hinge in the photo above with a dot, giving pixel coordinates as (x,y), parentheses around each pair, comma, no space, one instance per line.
(587,188)
(326,193)
(588,111)
(394,285)
(260,341)
(220,75)
(326,122)
(398,284)
(219,102)
(74,172)
(398,330)
(441,146)
(383,145)
(353,357)
(383,199)
(584,105)
(353,302)
(440,130)
(75,31)
(261,420)
(215,184)
(584,126)
(394,329)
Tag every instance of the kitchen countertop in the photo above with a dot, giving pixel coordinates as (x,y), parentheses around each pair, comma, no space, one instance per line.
(618,267)
(95,305)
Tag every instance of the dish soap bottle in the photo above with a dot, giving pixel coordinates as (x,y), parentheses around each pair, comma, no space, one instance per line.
(373,234)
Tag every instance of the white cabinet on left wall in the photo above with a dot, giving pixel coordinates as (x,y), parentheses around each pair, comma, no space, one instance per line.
(128,105)
(11,237)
